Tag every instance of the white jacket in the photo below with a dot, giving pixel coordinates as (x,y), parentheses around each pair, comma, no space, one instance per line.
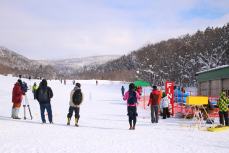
(165,102)
(71,96)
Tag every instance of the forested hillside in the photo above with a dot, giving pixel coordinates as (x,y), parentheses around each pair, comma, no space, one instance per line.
(176,59)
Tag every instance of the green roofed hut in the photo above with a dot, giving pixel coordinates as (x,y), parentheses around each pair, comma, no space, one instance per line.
(211,82)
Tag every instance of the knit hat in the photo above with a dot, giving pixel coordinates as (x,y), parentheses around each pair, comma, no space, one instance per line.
(131,86)
(78,84)
(19,81)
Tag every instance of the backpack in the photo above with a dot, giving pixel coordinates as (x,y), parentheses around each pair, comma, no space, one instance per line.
(132,98)
(77,97)
(24,87)
(43,95)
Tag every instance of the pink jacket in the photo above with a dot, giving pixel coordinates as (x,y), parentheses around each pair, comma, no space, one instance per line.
(126,96)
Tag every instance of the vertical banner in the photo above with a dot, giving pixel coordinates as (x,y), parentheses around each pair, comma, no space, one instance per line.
(169,90)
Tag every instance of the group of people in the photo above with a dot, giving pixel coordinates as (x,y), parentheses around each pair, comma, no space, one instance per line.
(156,97)
(157,100)
(43,94)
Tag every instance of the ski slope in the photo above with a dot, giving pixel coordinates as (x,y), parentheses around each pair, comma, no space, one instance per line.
(103,125)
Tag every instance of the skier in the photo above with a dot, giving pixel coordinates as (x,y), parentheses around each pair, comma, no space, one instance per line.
(76,98)
(223,109)
(154,104)
(123,90)
(16,99)
(43,96)
(34,89)
(165,105)
(132,97)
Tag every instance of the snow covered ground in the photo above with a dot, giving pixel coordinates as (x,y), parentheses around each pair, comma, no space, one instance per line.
(103,126)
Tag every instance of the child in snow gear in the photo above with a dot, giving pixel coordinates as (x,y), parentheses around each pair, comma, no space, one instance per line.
(223,109)
(43,96)
(165,105)
(76,98)
(132,96)
(154,104)
(16,99)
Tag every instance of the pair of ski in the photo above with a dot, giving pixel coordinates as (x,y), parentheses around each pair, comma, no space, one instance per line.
(30,114)
(26,104)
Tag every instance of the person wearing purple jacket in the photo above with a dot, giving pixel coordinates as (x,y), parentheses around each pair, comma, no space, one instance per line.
(132,97)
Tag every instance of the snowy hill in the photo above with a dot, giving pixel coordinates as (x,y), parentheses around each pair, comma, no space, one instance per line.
(103,125)
(12,59)
(14,63)
(176,59)
(77,63)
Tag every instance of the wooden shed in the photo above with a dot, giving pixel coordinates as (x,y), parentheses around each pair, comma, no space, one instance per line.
(213,81)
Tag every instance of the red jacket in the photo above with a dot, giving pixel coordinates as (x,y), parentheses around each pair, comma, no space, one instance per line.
(17,93)
(154,98)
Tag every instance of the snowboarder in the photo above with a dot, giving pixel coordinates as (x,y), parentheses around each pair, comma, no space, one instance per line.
(132,97)
(34,89)
(44,95)
(76,98)
(154,104)
(165,105)
(123,90)
(16,99)
(223,109)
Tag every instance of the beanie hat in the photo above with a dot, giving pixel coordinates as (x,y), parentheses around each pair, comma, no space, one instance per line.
(78,84)
(131,86)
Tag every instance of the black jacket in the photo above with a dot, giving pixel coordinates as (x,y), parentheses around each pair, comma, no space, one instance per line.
(44,94)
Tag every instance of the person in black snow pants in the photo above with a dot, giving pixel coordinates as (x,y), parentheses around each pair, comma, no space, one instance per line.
(76,98)
(43,96)
(132,97)
(123,90)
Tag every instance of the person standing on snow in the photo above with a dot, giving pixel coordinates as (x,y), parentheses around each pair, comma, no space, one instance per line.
(43,96)
(132,97)
(123,90)
(154,104)
(165,105)
(34,89)
(16,99)
(76,98)
(223,103)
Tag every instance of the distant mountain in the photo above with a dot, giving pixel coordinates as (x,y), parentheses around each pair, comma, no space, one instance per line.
(12,62)
(16,64)
(77,63)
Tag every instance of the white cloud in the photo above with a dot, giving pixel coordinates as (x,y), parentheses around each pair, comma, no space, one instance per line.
(92,28)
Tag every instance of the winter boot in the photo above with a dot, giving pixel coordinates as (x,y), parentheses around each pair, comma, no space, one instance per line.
(13,113)
(68,121)
(16,113)
(76,121)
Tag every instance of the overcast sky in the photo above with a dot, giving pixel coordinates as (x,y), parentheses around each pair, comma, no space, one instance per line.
(56,29)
